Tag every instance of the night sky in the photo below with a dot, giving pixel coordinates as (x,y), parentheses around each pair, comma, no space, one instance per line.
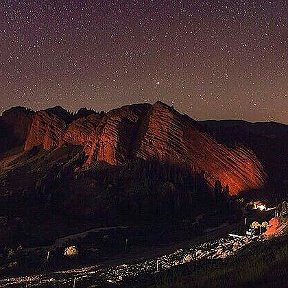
(210,59)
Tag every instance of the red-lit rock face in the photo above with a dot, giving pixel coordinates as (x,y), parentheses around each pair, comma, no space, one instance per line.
(119,134)
(172,137)
(47,130)
(107,137)
(79,131)
(273,227)
(146,131)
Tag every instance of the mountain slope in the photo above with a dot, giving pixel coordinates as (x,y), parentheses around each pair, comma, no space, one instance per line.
(174,138)
(148,132)
(135,164)
(268,140)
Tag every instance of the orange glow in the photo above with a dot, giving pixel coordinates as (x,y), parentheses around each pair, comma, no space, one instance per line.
(273,226)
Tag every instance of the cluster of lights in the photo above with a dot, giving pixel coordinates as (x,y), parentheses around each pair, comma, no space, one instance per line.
(259,206)
(215,249)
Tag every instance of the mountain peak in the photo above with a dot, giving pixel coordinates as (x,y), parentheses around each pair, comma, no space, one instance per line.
(61,113)
(18,109)
(162,104)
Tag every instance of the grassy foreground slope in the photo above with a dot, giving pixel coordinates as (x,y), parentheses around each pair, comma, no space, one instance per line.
(263,264)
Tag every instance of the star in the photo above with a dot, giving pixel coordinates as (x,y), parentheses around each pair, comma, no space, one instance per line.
(158,51)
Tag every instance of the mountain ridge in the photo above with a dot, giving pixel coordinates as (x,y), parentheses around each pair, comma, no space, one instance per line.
(146,131)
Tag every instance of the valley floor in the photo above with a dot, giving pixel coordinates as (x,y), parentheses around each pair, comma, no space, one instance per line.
(102,276)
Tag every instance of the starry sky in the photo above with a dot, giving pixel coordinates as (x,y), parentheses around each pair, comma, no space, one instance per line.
(210,59)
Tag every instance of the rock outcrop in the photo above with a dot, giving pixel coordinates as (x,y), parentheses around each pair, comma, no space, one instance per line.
(148,132)
(105,137)
(118,135)
(172,137)
(47,130)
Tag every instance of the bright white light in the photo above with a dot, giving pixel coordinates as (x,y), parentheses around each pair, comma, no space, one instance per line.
(262,207)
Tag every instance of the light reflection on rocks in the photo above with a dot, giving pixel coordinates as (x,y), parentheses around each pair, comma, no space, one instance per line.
(218,249)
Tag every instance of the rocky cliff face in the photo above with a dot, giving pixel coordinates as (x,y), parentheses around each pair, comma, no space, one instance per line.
(148,132)
(47,129)
(267,139)
(119,134)
(172,137)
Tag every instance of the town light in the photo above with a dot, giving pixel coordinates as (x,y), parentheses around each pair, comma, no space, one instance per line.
(257,205)
(261,207)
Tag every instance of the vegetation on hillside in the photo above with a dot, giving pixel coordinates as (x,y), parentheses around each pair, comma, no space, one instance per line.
(264,264)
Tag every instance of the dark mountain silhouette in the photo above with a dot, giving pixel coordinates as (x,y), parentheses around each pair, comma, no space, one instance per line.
(14,126)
